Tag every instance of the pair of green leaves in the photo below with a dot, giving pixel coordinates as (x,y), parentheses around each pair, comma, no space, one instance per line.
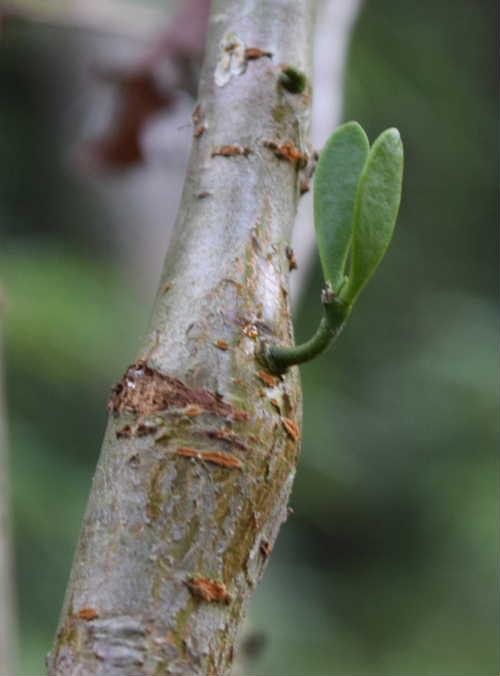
(357,191)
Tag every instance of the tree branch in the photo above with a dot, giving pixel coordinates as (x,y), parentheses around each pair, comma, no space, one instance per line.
(201,447)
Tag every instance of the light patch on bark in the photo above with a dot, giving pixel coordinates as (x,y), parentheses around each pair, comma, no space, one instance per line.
(232,59)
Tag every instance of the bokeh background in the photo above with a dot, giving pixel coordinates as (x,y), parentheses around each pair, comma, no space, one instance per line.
(388,566)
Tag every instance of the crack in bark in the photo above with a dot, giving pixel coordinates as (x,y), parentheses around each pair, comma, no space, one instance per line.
(145,391)
(208,590)
(221,459)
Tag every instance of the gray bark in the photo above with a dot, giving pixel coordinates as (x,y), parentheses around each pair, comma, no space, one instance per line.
(201,446)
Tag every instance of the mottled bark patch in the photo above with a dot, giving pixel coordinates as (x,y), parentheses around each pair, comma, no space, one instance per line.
(228,435)
(292,260)
(253,53)
(231,151)
(87,614)
(289,152)
(222,345)
(198,115)
(145,391)
(214,457)
(208,590)
(250,330)
(231,59)
(265,548)
(268,379)
(138,430)
(165,287)
(291,427)
(199,121)
(292,79)
(119,642)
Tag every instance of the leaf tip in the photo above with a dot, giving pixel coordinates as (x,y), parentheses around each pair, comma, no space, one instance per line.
(391,137)
(393,132)
(354,126)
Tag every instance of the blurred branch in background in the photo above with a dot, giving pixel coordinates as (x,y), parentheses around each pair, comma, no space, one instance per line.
(8,642)
(334,23)
(125,19)
(153,93)
(150,86)
(146,86)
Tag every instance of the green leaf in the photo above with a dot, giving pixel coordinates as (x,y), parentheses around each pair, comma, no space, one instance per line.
(335,183)
(376,209)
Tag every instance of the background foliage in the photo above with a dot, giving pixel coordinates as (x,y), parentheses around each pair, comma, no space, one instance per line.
(387,567)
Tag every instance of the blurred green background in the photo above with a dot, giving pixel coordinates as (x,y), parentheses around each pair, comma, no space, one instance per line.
(388,566)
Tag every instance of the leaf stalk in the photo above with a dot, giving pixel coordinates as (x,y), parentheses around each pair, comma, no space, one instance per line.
(278,358)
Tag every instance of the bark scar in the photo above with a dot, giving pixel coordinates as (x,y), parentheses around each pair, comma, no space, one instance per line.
(291,428)
(231,151)
(208,590)
(289,152)
(231,59)
(268,379)
(253,53)
(215,457)
(140,429)
(87,614)
(292,260)
(227,434)
(145,391)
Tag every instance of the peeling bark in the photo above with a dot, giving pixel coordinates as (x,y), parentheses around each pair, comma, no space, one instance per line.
(200,450)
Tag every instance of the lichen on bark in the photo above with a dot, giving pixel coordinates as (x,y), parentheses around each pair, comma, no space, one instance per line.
(200,451)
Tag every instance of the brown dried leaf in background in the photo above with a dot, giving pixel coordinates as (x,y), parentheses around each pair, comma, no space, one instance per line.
(141,94)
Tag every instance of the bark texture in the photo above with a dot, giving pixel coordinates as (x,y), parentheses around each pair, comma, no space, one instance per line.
(201,446)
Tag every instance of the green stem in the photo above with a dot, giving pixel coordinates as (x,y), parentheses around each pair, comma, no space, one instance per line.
(278,358)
